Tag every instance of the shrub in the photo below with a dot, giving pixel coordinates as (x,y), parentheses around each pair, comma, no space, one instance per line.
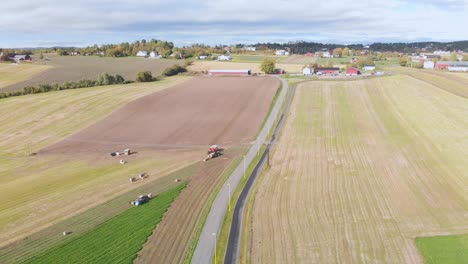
(267,66)
(145,76)
(174,70)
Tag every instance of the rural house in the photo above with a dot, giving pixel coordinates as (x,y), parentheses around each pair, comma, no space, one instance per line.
(281,53)
(428,65)
(154,55)
(18,58)
(369,67)
(224,58)
(307,71)
(142,53)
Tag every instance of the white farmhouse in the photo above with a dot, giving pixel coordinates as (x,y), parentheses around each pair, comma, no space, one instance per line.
(428,65)
(280,52)
(326,54)
(224,58)
(154,55)
(369,67)
(307,71)
(202,57)
(142,53)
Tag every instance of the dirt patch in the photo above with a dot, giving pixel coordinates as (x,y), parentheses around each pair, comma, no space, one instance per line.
(203,111)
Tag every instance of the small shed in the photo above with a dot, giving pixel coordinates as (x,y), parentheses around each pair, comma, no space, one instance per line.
(307,71)
(369,67)
(142,53)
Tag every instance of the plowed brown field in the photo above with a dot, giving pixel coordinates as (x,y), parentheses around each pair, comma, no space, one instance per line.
(361,169)
(221,110)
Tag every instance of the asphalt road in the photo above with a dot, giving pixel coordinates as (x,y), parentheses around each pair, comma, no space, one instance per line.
(233,246)
(205,249)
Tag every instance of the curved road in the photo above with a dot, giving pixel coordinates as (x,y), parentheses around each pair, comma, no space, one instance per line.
(233,246)
(206,244)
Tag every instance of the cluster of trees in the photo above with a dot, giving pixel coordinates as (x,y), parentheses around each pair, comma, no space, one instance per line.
(268,66)
(103,79)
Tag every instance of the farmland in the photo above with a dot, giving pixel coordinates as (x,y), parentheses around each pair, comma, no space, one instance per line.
(443,249)
(60,69)
(254,67)
(72,173)
(14,73)
(115,241)
(362,169)
(40,182)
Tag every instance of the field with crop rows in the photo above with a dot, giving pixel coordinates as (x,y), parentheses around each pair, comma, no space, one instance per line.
(363,168)
(115,241)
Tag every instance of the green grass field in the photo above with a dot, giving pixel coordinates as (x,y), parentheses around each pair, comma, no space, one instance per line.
(115,241)
(254,58)
(444,249)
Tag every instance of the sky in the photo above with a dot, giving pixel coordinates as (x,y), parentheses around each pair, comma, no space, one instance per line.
(46,23)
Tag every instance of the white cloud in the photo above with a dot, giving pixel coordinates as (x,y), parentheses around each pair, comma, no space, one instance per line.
(347,21)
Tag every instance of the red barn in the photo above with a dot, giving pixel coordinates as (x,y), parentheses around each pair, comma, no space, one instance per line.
(353,71)
(308,54)
(441,65)
(327,71)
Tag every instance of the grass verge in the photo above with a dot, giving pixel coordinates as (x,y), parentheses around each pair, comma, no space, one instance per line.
(117,240)
(443,249)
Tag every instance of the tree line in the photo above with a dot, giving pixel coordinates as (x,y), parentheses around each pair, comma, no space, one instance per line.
(103,79)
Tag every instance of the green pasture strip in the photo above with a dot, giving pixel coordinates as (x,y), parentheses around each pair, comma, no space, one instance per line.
(444,249)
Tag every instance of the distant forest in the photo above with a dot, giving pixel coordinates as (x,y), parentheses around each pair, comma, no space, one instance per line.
(167,49)
(302,47)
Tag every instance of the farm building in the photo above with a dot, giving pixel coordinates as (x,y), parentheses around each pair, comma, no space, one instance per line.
(308,54)
(202,57)
(369,67)
(452,65)
(18,58)
(428,65)
(224,58)
(353,71)
(327,71)
(307,71)
(250,48)
(281,53)
(326,54)
(142,53)
(154,55)
(229,72)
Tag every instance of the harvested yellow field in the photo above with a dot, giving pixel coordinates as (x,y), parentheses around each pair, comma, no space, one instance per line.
(254,67)
(11,73)
(361,169)
(37,191)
